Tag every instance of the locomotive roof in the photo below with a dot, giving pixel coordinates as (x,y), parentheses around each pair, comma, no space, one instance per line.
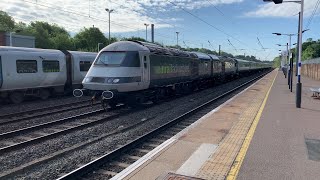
(202,55)
(225,58)
(125,46)
(157,49)
(214,57)
(146,46)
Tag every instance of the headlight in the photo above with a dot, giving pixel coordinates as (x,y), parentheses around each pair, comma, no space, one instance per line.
(110,80)
(87,79)
(116,80)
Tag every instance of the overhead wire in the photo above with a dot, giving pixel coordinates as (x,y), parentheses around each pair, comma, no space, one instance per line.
(159,20)
(259,42)
(204,21)
(232,45)
(313,13)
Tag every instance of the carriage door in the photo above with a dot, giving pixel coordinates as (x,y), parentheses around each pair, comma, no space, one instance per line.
(1,79)
(145,69)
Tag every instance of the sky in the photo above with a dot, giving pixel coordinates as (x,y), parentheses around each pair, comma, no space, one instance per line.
(239,26)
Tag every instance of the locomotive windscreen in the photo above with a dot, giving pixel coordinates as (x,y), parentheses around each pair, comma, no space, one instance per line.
(117,58)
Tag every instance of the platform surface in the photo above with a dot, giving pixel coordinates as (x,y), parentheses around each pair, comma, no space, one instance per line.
(259,134)
(279,147)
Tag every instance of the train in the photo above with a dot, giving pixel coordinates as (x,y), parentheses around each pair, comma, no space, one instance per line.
(134,72)
(41,72)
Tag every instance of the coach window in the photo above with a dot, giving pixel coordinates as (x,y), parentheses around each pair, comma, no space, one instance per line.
(85,65)
(50,66)
(26,66)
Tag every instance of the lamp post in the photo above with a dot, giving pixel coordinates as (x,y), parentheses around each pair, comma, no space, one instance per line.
(289,69)
(109,12)
(299,84)
(99,46)
(177,38)
(146,30)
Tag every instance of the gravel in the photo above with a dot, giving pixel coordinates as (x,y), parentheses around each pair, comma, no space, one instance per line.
(27,106)
(157,115)
(36,121)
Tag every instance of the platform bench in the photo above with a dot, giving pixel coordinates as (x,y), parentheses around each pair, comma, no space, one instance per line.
(316,92)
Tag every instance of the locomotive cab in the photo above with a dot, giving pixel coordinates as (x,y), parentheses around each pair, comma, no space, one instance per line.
(120,67)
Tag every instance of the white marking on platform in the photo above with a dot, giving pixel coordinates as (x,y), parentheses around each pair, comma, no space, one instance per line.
(124,173)
(196,160)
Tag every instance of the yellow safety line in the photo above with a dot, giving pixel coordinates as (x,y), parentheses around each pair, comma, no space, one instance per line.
(233,173)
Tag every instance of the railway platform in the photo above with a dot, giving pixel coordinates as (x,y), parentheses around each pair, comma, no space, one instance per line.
(258,134)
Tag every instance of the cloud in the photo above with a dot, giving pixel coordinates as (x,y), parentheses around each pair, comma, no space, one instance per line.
(129,15)
(282,10)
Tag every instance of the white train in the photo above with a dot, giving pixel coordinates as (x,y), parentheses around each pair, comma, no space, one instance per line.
(41,72)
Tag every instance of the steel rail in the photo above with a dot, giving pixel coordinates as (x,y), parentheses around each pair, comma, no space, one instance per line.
(12,172)
(22,113)
(54,134)
(44,114)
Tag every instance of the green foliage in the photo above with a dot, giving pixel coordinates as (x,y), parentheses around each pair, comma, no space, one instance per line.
(133,38)
(276,62)
(88,39)
(6,22)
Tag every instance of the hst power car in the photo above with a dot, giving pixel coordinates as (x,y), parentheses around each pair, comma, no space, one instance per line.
(133,71)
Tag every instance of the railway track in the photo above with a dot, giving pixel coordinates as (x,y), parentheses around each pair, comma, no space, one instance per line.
(11,173)
(27,136)
(41,112)
(110,164)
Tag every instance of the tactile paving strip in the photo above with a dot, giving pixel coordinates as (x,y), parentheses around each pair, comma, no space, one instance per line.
(219,164)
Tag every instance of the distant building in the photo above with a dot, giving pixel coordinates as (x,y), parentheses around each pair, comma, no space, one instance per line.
(17,40)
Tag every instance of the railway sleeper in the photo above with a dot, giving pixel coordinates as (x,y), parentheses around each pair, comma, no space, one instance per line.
(132,157)
(142,150)
(155,140)
(121,164)
(106,172)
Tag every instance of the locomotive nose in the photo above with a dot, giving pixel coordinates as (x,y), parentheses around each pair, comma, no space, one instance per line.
(77,93)
(107,94)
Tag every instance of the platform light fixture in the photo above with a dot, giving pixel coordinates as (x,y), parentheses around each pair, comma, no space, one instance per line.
(177,38)
(275,1)
(146,30)
(109,12)
(299,84)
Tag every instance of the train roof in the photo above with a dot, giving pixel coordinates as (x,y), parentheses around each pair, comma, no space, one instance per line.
(43,51)
(146,46)
(24,49)
(225,58)
(214,57)
(83,53)
(245,61)
(202,55)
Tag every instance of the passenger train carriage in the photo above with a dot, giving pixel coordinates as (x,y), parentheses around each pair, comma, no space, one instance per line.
(134,71)
(41,72)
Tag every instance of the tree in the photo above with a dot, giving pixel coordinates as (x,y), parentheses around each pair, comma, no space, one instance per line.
(133,38)
(6,22)
(88,39)
(276,62)
(48,36)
